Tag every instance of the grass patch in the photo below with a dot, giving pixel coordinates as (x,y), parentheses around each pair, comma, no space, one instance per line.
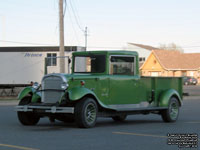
(8,98)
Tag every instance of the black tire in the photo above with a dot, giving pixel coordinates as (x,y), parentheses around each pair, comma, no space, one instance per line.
(86,113)
(119,118)
(27,118)
(171,114)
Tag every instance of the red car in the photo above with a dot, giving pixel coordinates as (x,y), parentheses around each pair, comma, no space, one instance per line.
(189,81)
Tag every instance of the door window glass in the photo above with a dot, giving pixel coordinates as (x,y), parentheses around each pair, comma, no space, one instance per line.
(90,64)
(121,65)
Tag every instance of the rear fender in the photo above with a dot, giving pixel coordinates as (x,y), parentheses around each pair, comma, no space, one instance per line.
(165,97)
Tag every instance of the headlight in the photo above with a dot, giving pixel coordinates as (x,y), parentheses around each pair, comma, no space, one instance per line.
(36,85)
(64,86)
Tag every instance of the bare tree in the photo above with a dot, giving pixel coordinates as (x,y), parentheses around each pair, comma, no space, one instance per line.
(171,46)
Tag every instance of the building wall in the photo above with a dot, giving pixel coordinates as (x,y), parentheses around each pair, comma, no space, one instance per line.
(152,67)
(141,51)
(24,67)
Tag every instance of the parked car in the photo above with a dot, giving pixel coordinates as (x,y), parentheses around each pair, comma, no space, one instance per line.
(189,81)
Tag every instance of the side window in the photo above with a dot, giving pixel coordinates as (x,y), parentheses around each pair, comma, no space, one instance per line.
(51,59)
(90,64)
(142,59)
(122,65)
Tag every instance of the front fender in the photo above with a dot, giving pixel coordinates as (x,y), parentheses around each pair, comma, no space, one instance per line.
(165,97)
(29,90)
(25,92)
(79,92)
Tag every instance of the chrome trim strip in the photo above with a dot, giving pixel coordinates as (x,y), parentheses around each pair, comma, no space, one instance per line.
(47,109)
(57,75)
(130,106)
(135,107)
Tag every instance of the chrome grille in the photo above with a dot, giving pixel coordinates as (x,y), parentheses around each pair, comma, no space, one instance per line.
(51,88)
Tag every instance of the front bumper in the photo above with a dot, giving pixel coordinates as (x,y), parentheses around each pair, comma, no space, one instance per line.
(45,109)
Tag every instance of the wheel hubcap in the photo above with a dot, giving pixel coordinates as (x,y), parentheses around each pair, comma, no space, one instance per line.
(174,111)
(90,113)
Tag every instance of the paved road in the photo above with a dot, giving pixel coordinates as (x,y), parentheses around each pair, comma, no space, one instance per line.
(139,132)
(192,90)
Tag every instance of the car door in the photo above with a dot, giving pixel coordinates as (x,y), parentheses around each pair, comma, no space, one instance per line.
(123,81)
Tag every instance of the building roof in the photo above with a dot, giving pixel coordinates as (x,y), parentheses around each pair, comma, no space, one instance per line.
(175,60)
(144,46)
(38,49)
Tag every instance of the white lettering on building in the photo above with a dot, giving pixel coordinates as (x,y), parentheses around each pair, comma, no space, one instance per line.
(32,55)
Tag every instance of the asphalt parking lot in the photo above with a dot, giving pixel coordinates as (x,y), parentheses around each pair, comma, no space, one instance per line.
(138,132)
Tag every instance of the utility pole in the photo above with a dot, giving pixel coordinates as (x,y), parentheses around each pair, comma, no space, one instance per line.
(61,28)
(86,34)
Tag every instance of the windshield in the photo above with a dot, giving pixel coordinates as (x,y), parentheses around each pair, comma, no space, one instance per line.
(90,64)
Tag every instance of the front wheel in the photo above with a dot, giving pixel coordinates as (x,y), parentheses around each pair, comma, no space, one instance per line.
(86,113)
(27,118)
(171,114)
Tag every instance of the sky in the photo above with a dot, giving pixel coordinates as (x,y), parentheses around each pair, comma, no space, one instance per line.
(111,23)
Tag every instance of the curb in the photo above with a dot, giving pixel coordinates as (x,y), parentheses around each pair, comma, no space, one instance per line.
(8,103)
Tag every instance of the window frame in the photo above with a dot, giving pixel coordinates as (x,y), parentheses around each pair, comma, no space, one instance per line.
(134,69)
(74,63)
(52,59)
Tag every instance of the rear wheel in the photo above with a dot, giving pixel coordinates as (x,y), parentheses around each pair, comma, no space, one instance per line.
(171,114)
(86,113)
(119,118)
(27,118)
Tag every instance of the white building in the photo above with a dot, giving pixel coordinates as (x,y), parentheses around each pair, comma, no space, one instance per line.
(21,65)
(143,50)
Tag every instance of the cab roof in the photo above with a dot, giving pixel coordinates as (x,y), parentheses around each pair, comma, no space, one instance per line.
(115,52)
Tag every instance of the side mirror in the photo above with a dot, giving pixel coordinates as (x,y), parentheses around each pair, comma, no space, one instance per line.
(112,59)
(69,61)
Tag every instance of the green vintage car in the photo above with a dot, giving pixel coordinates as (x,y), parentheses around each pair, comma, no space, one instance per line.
(102,84)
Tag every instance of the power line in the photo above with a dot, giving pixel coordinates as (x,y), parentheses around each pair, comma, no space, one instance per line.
(138,48)
(86,34)
(75,16)
(24,43)
(76,10)
(65,3)
(77,19)
(190,47)
(75,33)
(57,19)
(20,42)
